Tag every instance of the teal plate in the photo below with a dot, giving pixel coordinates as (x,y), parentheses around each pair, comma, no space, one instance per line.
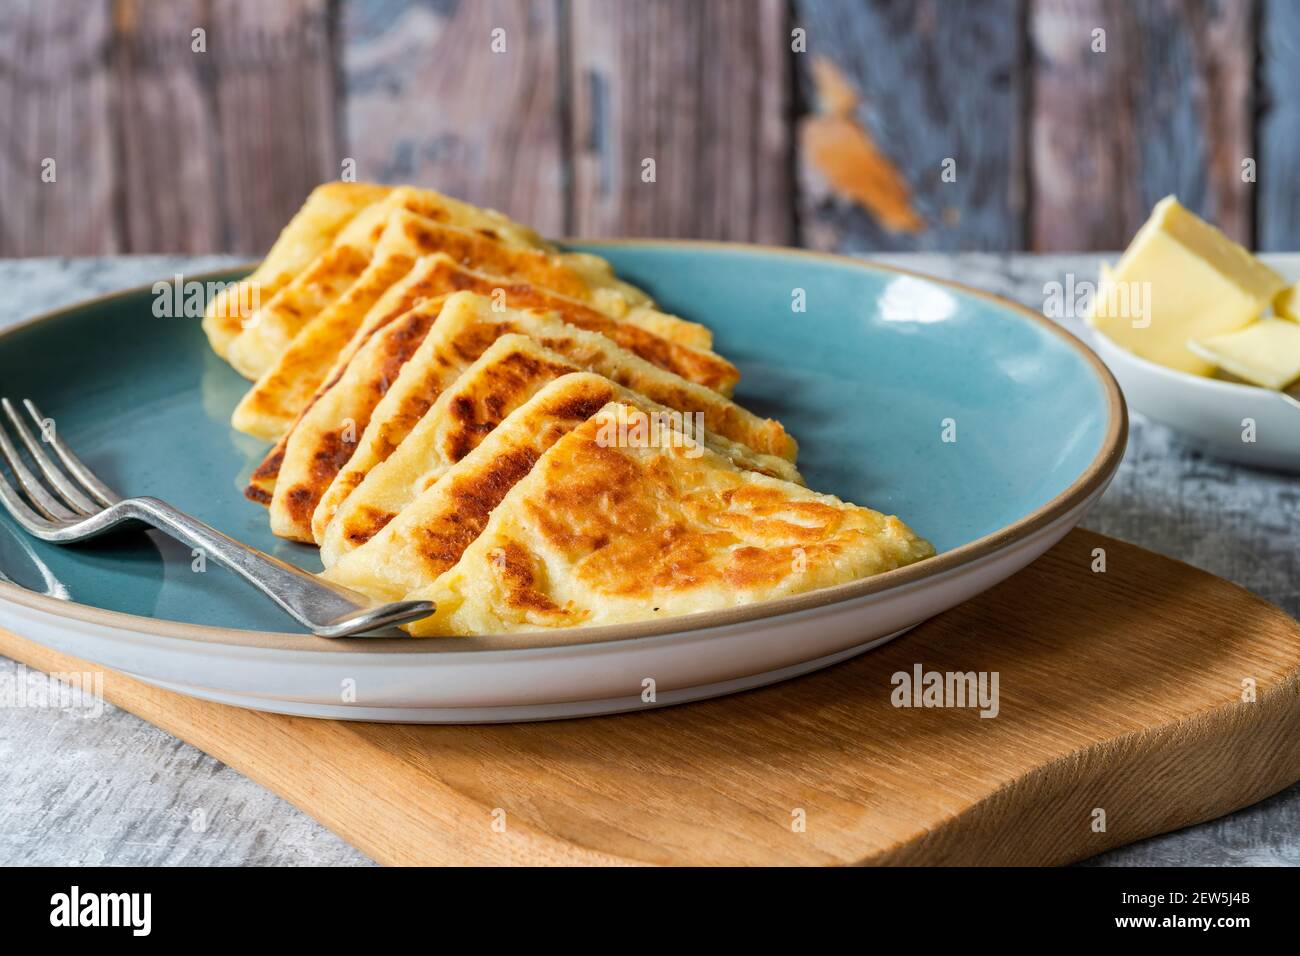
(874,376)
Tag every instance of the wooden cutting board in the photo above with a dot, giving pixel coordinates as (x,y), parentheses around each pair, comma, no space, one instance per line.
(1124,710)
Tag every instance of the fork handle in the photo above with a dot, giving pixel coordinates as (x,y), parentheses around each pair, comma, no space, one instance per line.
(326,609)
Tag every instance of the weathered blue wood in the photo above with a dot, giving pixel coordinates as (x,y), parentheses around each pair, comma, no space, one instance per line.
(435,98)
(701,89)
(1055,146)
(1278,136)
(935,81)
(1165,107)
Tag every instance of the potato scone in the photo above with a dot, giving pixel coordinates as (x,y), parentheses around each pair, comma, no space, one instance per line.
(438,275)
(277,397)
(406,294)
(284,389)
(428,536)
(658,338)
(324,436)
(426,423)
(606,529)
(327,210)
(268,331)
(662,339)
(512,369)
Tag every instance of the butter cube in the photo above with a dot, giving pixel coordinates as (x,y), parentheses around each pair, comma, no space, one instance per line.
(1287,303)
(1266,353)
(1180,279)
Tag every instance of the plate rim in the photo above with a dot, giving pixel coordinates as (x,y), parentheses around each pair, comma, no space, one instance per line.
(1097,472)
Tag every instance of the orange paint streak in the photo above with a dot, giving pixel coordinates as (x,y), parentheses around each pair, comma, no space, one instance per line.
(843,152)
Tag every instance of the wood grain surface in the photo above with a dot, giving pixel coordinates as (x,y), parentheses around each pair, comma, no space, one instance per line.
(1120,692)
(937,89)
(276,112)
(56,87)
(170,151)
(1132,102)
(700,89)
(1278,134)
(823,123)
(435,99)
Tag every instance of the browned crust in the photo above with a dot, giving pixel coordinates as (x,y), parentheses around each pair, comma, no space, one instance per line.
(261,486)
(706,368)
(474,495)
(268,472)
(484,251)
(633,526)
(299,371)
(334,446)
(254,493)
(498,393)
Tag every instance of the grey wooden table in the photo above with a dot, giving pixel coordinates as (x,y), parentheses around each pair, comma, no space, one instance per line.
(117,790)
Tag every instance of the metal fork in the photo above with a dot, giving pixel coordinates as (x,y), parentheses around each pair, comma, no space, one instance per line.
(81,507)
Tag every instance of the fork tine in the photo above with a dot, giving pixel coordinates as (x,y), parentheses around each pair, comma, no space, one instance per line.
(13,503)
(42,499)
(66,489)
(98,490)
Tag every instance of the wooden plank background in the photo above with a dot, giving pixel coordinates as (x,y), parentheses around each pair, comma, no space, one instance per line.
(1165,107)
(200,125)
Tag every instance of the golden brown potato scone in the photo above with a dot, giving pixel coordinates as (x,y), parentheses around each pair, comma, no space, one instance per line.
(327,210)
(269,330)
(439,275)
(270,407)
(436,410)
(284,389)
(466,414)
(323,438)
(411,291)
(658,338)
(428,536)
(664,340)
(506,375)
(603,531)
